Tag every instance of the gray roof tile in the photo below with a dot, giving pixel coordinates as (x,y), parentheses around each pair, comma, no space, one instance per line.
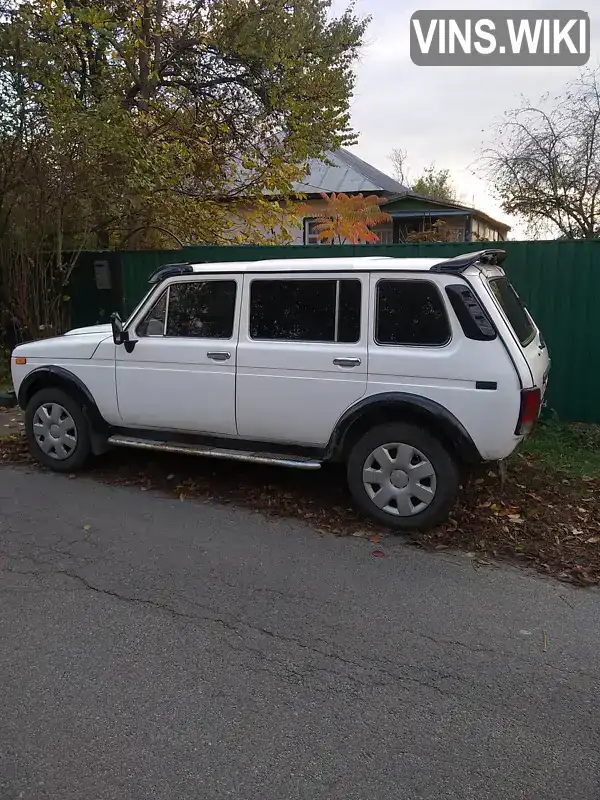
(346,173)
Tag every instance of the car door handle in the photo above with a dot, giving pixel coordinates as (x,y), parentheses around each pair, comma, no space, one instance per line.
(219,355)
(347,362)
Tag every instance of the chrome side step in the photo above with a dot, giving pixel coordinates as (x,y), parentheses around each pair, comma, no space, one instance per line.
(299,462)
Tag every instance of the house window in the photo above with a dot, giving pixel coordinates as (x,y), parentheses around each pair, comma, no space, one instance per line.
(384,232)
(305,310)
(310,232)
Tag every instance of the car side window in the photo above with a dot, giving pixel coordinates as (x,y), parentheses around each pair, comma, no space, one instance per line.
(153,323)
(410,313)
(204,309)
(305,310)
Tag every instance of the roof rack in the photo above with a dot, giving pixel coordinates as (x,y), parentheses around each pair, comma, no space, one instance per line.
(461,263)
(169,270)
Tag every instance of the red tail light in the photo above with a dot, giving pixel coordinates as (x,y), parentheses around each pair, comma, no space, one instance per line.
(531,401)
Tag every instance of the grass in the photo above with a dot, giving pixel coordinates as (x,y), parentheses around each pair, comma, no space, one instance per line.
(571,449)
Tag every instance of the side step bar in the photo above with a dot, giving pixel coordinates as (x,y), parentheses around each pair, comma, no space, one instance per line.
(299,462)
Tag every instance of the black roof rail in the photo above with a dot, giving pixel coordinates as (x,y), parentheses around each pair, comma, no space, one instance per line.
(460,263)
(169,270)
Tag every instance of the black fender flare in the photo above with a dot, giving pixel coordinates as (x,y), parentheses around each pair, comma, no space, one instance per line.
(412,406)
(59,376)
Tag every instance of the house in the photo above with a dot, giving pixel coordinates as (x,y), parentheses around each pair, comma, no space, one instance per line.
(342,171)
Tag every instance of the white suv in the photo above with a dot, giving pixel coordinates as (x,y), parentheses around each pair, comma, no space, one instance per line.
(406,370)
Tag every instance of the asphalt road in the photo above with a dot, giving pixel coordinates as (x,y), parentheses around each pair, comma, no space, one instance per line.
(152,648)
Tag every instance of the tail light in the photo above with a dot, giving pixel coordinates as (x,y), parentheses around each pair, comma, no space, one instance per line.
(531,401)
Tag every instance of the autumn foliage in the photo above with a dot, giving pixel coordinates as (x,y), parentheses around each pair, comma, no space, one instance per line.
(349,219)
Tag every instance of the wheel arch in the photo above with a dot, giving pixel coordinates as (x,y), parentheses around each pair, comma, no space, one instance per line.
(402,407)
(60,378)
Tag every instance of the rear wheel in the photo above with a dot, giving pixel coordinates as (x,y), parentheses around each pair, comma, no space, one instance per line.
(403,477)
(57,430)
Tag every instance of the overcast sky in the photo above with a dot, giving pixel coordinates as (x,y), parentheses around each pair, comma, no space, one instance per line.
(444,114)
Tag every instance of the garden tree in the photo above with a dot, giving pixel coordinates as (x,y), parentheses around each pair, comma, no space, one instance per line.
(153,123)
(398,158)
(349,219)
(434,183)
(545,165)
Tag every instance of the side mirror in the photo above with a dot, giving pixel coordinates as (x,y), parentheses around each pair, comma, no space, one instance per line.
(119,335)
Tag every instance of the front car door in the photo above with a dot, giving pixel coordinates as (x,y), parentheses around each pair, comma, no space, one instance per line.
(302,355)
(180,375)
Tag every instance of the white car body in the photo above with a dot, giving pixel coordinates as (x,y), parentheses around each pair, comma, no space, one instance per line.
(291,393)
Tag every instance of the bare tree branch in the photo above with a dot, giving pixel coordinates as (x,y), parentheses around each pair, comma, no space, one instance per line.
(545,165)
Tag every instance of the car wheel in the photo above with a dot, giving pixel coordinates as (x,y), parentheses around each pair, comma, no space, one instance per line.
(57,430)
(403,477)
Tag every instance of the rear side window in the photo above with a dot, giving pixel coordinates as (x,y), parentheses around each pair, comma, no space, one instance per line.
(410,312)
(473,319)
(203,309)
(513,307)
(305,310)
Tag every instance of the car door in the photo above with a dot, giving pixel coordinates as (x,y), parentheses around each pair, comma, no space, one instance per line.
(180,375)
(417,346)
(302,355)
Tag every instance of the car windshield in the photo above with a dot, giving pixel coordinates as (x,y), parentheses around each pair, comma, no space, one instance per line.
(515,311)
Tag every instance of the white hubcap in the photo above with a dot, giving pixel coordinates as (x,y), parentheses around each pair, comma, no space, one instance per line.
(55,431)
(399,479)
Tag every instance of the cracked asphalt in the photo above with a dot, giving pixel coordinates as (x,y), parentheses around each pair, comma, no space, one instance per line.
(151,648)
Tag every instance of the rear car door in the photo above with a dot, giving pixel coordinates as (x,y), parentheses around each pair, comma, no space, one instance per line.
(302,355)
(522,328)
(180,375)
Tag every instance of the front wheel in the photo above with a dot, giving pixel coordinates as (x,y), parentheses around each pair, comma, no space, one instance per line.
(403,477)
(57,430)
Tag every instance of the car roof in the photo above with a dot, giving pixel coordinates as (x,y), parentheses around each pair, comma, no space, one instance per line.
(361,264)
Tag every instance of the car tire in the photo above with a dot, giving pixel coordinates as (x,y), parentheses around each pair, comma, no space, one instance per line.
(402,477)
(57,430)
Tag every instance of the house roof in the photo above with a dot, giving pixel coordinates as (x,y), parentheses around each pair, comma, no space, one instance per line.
(342,171)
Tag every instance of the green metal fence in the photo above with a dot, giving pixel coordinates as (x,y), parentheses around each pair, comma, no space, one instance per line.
(559,281)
